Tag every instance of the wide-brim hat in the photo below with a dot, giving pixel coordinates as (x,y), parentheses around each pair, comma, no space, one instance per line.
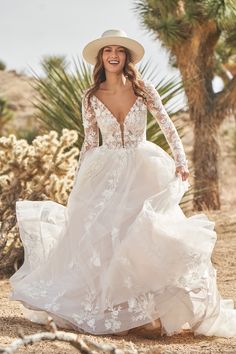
(113,37)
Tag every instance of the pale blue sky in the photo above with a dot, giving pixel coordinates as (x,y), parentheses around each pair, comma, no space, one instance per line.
(30,29)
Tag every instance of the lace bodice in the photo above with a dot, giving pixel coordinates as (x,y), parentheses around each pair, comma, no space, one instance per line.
(133,130)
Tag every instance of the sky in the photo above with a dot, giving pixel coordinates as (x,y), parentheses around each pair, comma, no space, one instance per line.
(32,29)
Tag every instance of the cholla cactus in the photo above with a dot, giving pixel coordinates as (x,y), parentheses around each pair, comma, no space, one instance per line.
(43,170)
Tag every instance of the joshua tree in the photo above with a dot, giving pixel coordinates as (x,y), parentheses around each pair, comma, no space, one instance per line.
(194,31)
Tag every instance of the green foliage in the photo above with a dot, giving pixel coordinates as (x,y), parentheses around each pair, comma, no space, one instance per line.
(27,134)
(2,65)
(5,114)
(164,18)
(173,21)
(220,10)
(231,38)
(59,105)
(49,63)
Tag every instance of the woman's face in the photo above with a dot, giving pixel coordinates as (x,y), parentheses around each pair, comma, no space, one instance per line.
(116,54)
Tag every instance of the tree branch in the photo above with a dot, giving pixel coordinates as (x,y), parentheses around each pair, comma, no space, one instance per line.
(225,101)
(84,346)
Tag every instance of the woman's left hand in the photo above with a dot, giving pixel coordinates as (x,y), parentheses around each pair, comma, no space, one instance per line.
(184,172)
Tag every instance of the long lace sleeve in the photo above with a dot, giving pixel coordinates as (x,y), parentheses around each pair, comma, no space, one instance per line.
(91,131)
(156,107)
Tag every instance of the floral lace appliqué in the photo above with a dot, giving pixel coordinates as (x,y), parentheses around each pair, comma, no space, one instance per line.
(97,116)
(155,106)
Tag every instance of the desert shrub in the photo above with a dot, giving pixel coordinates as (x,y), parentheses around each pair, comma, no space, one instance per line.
(2,65)
(28,134)
(42,170)
(6,114)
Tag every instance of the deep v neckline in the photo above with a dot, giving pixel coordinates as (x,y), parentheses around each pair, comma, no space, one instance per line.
(108,110)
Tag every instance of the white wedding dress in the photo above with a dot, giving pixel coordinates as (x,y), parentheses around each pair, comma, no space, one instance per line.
(122,253)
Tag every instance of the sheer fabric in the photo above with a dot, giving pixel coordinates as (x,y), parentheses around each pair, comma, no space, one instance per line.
(136,131)
(122,253)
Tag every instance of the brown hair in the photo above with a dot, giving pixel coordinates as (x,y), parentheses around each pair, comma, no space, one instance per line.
(129,71)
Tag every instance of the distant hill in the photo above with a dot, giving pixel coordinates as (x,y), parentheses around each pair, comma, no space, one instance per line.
(17,90)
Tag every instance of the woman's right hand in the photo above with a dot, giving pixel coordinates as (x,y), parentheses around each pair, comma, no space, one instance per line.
(183,171)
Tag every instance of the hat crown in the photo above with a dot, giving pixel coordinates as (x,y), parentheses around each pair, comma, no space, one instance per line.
(114,33)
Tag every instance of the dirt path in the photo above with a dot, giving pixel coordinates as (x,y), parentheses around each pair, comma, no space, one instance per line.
(224,260)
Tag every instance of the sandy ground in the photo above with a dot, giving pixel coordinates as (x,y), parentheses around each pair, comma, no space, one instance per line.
(224,260)
(11,318)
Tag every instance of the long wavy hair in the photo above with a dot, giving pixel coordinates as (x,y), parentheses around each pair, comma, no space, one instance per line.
(129,71)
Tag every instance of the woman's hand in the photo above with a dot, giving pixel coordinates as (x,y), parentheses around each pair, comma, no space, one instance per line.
(184,172)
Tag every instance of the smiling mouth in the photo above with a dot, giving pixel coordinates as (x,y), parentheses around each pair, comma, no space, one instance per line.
(113,62)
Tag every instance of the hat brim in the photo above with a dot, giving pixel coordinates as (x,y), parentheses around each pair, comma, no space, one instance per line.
(90,51)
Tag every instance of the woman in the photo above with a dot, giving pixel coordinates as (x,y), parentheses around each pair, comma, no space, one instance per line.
(121,256)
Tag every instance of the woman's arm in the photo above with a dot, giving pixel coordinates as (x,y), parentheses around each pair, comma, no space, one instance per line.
(155,106)
(91,131)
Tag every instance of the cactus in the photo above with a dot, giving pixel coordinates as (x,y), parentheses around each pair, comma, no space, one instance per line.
(42,170)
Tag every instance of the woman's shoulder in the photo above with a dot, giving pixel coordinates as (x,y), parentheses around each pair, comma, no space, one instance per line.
(84,95)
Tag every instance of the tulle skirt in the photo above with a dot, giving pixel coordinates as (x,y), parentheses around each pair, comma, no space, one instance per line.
(121,253)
